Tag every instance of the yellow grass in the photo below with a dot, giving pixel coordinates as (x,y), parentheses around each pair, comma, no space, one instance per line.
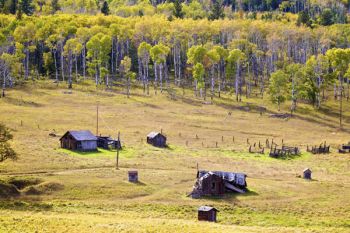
(97,197)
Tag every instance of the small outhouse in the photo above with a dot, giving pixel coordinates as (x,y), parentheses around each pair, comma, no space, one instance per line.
(133,176)
(307,174)
(207,213)
(156,139)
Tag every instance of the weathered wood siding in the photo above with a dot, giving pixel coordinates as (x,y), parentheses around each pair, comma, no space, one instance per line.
(207,216)
(88,145)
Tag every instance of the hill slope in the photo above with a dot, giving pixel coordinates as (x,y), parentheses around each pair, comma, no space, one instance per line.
(97,198)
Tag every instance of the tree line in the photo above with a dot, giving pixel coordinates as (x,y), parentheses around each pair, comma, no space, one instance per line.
(324,12)
(243,57)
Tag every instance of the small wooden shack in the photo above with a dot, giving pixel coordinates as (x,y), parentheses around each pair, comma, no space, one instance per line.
(307,174)
(217,183)
(212,184)
(207,213)
(133,176)
(156,139)
(82,140)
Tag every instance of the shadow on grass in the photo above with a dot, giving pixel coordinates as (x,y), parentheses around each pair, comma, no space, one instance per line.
(229,196)
(21,102)
(31,205)
(139,183)
(76,152)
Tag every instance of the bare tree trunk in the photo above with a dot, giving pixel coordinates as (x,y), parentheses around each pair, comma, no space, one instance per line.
(62,62)
(155,78)
(56,68)
(212,83)
(70,69)
(237,81)
(76,67)
(161,77)
(84,61)
(3,83)
(26,64)
(128,87)
(112,57)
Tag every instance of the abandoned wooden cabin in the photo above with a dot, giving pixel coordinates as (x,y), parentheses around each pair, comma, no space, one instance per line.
(207,213)
(82,140)
(107,143)
(217,183)
(156,139)
(133,176)
(307,174)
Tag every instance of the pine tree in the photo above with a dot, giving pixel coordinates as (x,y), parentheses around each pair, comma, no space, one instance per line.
(326,17)
(13,7)
(178,9)
(216,11)
(304,18)
(19,14)
(27,7)
(105,8)
(55,6)
(6,152)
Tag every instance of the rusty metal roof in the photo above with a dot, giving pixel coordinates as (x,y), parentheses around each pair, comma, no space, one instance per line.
(238,178)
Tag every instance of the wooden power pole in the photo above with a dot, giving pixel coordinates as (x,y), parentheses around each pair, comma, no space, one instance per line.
(117,159)
(97,119)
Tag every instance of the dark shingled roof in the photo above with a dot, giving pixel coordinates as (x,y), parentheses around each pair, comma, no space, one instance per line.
(82,135)
(207,208)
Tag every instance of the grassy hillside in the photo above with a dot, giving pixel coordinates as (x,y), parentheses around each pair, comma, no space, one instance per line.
(79,192)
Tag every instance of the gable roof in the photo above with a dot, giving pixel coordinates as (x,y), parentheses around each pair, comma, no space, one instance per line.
(207,208)
(153,134)
(81,135)
(307,170)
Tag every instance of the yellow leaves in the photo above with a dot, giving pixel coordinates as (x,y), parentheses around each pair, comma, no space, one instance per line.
(24,34)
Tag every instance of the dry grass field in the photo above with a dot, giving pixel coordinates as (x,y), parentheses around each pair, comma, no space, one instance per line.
(76,192)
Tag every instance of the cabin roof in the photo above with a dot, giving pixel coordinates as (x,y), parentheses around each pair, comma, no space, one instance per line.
(153,134)
(229,176)
(307,170)
(207,208)
(81,135)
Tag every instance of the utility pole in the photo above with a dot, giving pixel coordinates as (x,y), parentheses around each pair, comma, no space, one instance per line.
(341,106)
(117,159)
(97,119)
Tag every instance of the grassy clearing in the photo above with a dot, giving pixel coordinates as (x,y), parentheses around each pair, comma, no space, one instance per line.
(95,197)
